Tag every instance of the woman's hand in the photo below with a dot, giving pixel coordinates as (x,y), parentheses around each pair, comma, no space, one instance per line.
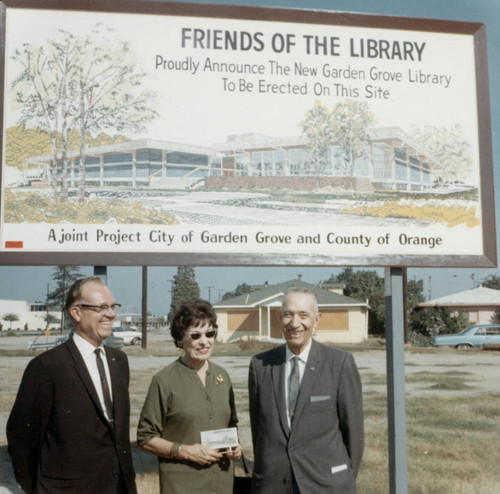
(235,454)
(198,453)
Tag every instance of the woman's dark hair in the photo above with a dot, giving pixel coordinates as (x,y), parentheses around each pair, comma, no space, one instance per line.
(194,313)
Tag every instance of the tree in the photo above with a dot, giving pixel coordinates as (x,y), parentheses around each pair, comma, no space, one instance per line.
(41,92)
(241,289)
(64,276)
(415,291)
(50,319)
(317,129)
(184,288)
(365,285)
(109,94)
(492,282)
(349,123)
(10,318)
(368,285)
(451,150)
(89,83)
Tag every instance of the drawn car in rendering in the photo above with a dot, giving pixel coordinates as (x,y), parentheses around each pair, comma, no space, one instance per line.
(476,336)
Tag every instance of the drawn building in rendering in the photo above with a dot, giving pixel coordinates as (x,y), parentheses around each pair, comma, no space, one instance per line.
(392,161)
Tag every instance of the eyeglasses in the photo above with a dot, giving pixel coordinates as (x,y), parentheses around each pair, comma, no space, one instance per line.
(209,334)
(98,308)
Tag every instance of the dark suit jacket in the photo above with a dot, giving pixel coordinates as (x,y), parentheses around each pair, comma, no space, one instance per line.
(325,446)
(59,438)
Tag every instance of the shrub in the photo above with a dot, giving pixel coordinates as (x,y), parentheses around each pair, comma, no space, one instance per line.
(430,321)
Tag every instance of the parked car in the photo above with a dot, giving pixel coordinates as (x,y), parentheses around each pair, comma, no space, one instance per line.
(112,341)
(477,336)
(129,336)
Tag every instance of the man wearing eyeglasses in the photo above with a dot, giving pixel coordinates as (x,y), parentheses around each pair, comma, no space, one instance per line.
(69,427)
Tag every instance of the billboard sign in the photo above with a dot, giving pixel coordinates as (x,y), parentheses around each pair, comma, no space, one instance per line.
(169,133)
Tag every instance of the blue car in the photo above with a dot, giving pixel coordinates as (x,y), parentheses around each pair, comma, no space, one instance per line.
(477,336)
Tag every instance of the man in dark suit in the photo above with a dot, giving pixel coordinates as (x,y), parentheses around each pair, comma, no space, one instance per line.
(306,413)
(69,428)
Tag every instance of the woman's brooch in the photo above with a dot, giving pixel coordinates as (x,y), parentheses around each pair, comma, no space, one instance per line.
(220,380)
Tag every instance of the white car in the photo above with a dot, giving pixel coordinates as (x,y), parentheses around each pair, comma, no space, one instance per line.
(129,337)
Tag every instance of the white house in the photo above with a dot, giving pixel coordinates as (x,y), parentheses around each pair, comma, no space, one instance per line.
(480,304)
(255,315)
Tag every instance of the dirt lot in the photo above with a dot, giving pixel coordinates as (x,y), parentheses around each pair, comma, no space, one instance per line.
(478,369)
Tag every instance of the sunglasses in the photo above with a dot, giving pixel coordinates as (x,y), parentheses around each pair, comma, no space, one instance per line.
(209,334)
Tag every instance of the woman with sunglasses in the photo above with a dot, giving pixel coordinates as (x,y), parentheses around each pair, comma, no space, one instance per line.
(188,396)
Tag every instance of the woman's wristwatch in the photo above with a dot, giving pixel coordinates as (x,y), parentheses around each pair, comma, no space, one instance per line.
(175,451)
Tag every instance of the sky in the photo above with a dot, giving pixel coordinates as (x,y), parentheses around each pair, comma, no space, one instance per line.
(30,282)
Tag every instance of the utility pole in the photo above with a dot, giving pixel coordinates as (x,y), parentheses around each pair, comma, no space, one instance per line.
(62,305)
(209,293)
(144,340)
(47,329)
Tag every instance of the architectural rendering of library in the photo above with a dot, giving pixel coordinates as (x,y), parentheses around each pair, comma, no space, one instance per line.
(392,161)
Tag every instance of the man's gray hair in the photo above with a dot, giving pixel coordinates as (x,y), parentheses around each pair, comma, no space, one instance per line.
(301,291)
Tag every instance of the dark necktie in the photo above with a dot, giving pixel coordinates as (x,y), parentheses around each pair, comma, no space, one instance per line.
(293,391)
(104,384)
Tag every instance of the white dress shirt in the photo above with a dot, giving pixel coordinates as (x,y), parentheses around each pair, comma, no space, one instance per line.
(302,361)
(87,350)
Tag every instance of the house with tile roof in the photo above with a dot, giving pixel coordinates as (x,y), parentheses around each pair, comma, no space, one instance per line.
(480,304)
(254,315)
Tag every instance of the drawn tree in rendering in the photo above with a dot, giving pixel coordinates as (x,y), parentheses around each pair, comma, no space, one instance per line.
(317,129)
(350,121)
(450,149)
(86,83)
(184,288)
(41,89)
(109,94)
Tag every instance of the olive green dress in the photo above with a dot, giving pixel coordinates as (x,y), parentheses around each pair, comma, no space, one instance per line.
(177,408)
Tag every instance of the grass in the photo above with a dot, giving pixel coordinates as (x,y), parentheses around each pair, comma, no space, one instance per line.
(451,445)
(452,426)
